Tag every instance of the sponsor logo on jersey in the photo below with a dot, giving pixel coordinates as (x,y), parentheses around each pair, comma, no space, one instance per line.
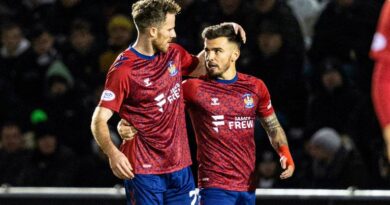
(241,123)
(107,95)
(174,94)
(147,82)
(160,101)
(172,68)
(218,120)
(214,101)
(248,100)
(379,43)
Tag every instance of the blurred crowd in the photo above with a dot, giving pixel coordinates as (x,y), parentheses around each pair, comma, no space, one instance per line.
(312,55)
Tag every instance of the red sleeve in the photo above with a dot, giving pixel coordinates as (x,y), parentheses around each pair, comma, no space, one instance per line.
(188,61)
(380,48)
(117,87)
(189,90)
(264,108)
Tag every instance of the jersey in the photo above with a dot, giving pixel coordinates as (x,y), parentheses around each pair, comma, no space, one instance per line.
(380,52)
(380,48)
(223,115)
(146,91)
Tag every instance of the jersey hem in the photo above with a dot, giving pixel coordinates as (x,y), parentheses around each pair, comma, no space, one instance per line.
(164,171)
(225,187)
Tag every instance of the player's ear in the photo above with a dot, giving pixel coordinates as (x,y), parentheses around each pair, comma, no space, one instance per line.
(235,54)
(153,31)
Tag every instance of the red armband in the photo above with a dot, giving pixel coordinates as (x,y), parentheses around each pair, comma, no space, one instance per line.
(284,151)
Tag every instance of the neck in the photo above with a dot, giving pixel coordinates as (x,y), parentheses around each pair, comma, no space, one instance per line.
(143,45)
(229,74)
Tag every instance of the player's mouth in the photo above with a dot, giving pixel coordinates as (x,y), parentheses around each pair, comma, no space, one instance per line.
(212,66)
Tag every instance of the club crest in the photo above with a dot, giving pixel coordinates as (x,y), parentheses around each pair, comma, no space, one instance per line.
(172,68)
(248,100)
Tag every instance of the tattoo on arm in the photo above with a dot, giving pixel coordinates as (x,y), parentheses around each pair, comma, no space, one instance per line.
(274,131)
(270,123)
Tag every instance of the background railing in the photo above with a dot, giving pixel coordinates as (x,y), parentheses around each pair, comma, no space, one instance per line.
(112,196)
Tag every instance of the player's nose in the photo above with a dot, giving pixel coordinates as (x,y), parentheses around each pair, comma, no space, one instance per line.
(173,34)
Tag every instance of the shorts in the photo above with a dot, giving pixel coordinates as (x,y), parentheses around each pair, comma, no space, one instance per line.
(212,196)
(176,188)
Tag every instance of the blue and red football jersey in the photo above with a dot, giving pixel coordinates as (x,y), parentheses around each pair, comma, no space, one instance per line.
(223,114)
(146,91)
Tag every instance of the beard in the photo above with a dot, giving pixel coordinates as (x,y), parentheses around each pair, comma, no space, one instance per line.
(160,46)
(215,70)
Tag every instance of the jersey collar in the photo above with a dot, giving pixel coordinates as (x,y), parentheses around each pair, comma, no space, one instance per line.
(228,81)
(142,55)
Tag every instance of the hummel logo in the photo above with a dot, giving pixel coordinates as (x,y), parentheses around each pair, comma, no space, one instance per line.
(214,101)
(218,121)
(160,101)
(147,82)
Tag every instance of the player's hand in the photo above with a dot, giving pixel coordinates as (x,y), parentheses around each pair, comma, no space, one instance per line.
(120,165)
(125,130)
(388,152)
(238,29)
(386,136)
(288,169)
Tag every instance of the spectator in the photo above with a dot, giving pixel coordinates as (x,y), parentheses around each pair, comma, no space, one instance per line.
(66,11)
(13,51)
(344,30)
(281,68)
(41,56)
(335,165)
(52,164)
(120,33)
(192,13)
(277,11)
(64,110)
(101,176)
(335,101)
(307,12)
(267,171)
(13,154)
(81,54)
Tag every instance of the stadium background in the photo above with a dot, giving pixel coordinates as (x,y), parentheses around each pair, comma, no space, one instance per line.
(312,54)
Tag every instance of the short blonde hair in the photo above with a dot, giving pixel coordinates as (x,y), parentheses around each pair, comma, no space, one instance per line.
(148,13)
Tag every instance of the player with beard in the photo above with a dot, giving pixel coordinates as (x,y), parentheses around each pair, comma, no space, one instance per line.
(223,107)
(143,85)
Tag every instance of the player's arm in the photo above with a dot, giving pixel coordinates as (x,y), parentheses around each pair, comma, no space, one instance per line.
(126,130)
(200,69)
(278,141)
(119,163)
